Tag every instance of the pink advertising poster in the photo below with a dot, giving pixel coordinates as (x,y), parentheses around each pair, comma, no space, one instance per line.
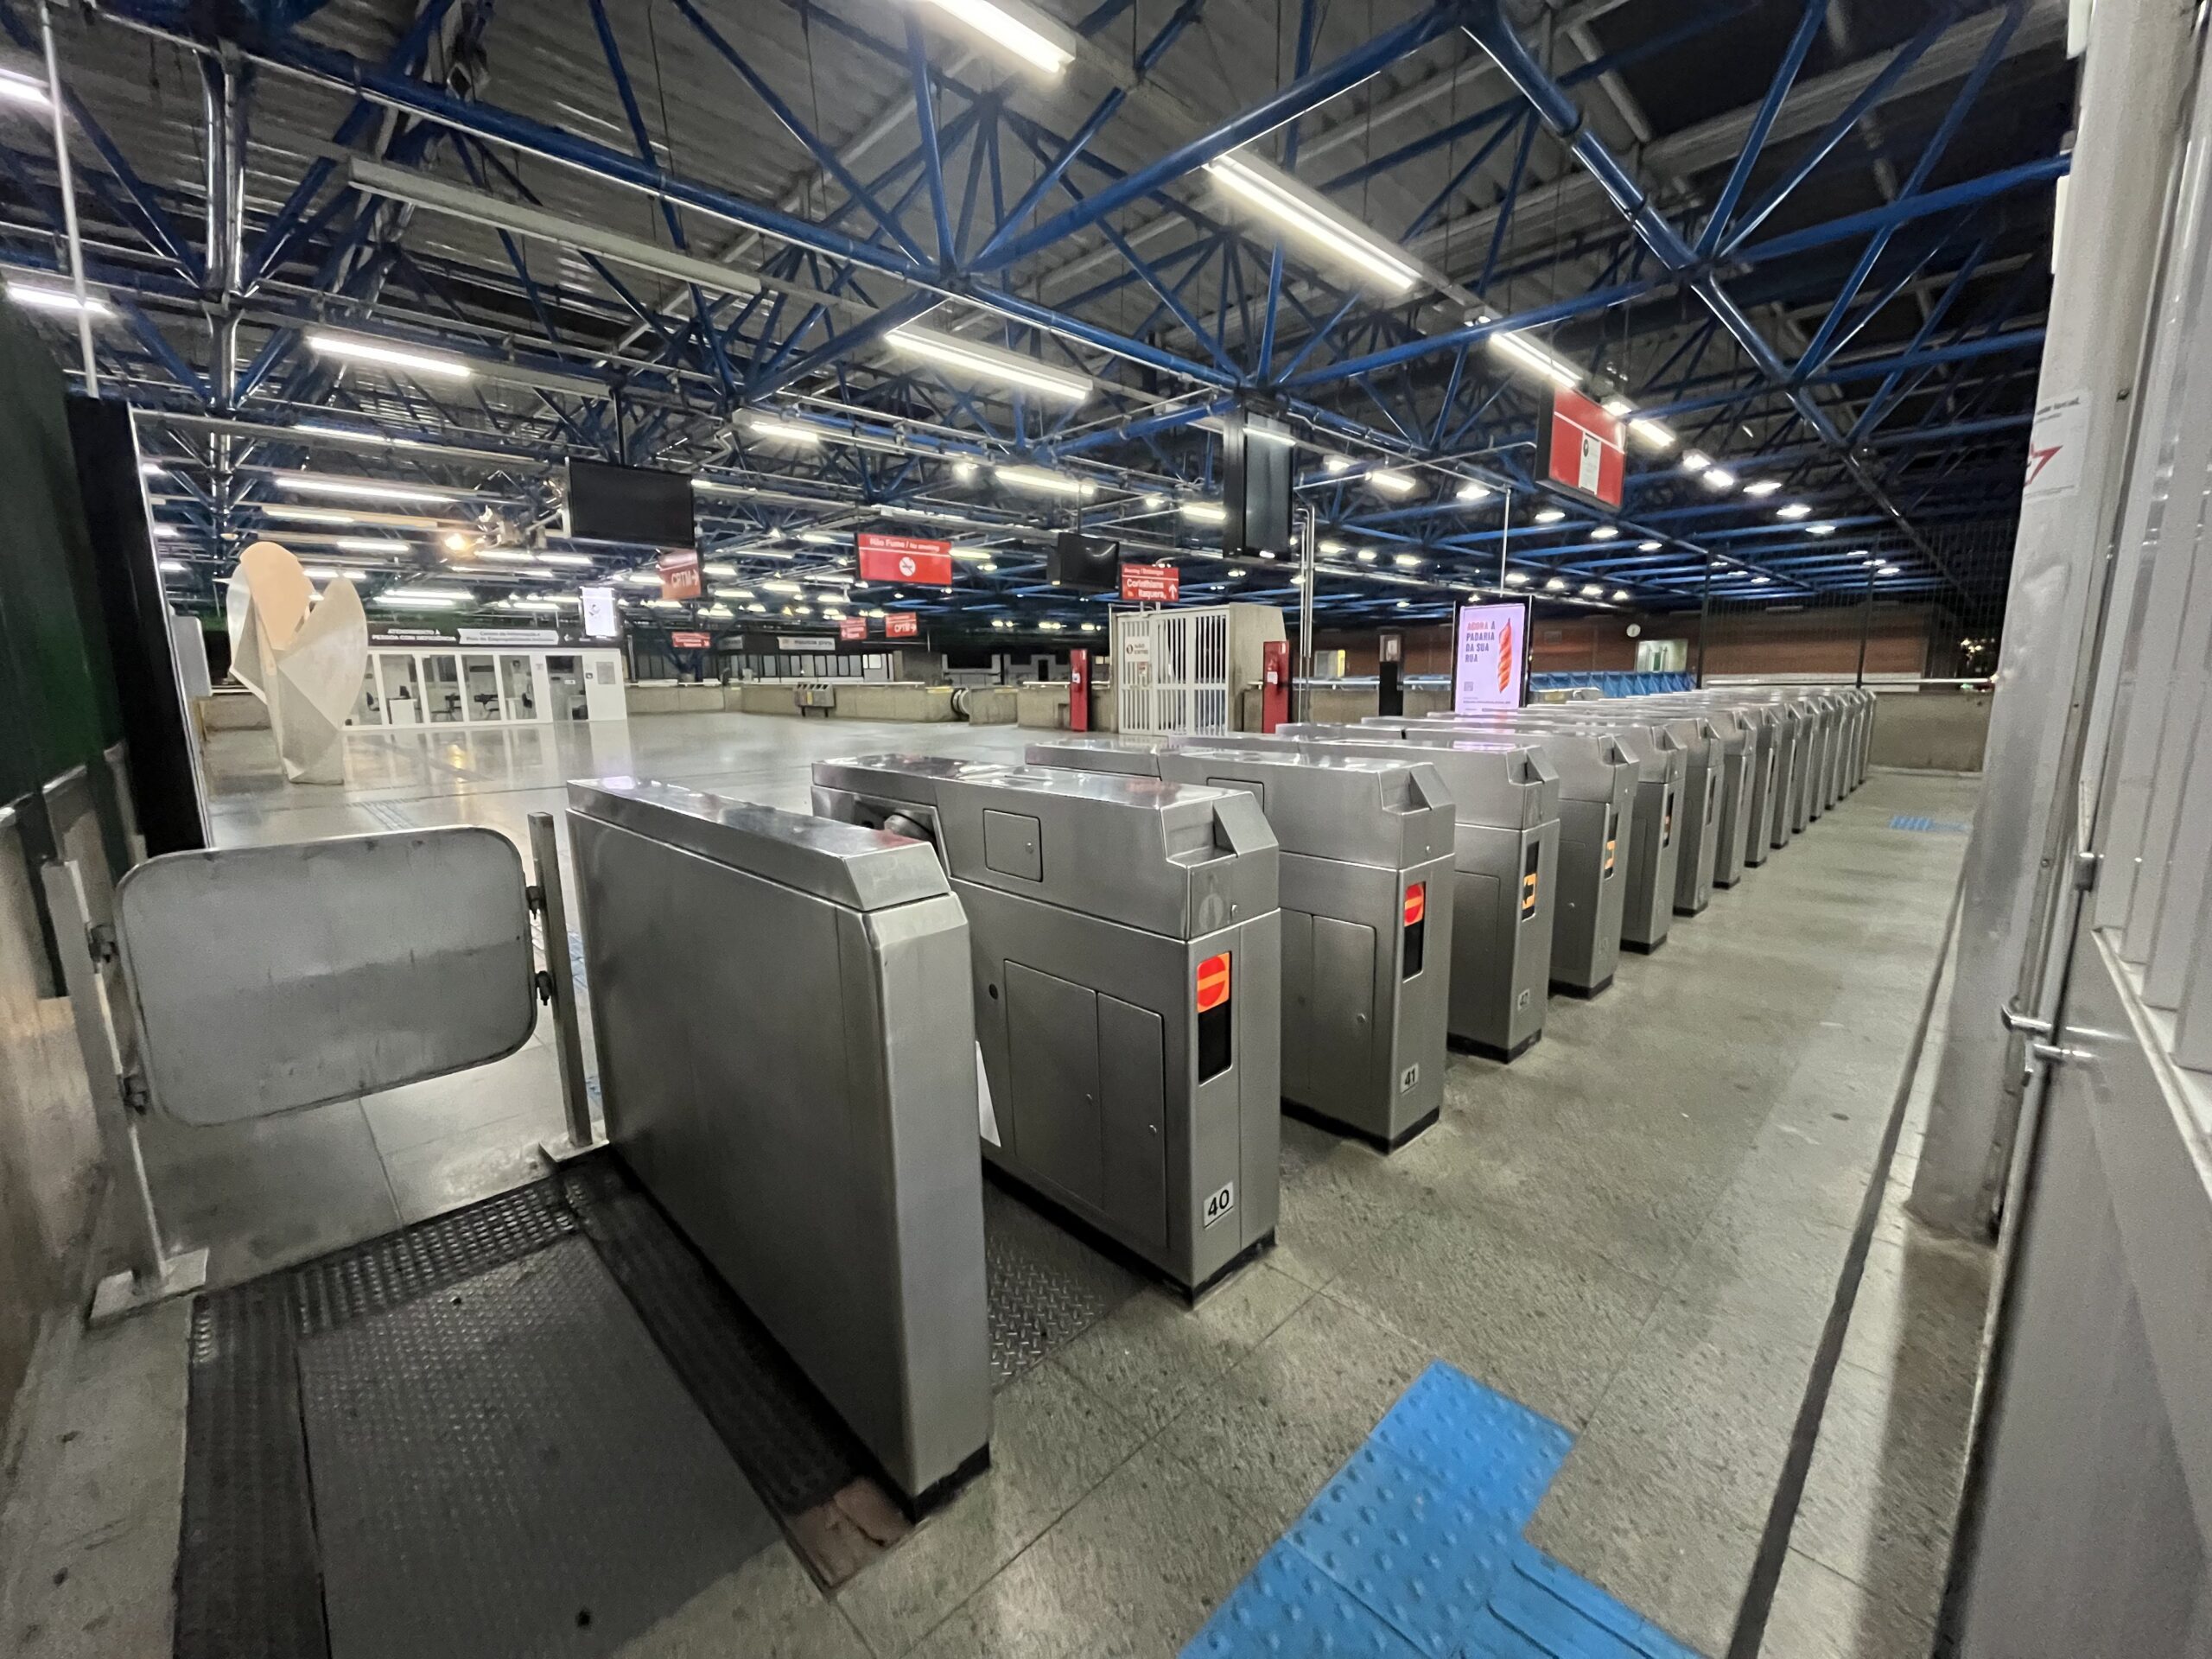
(1489,654)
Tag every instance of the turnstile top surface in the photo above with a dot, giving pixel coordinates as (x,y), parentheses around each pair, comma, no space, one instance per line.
(1381,810)
(861,869)
(1495,779)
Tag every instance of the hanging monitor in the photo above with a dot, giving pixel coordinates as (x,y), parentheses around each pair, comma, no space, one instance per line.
(1258,458)
(1578,448)
(1085,564)
(637,504)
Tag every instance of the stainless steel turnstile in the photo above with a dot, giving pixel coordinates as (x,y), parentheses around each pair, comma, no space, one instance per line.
(1126,964)
(1697,820)
(781,1067)
(1734,758)
(1505,886)
(1655,850)
(1366,865)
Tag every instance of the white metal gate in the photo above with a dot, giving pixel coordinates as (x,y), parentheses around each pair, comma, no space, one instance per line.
(1171,669)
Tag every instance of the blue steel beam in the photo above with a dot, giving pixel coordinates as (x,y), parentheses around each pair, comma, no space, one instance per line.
(1785,76)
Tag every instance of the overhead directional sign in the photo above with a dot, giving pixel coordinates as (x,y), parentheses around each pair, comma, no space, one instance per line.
(905,559)
(1578,448)
(1151,584)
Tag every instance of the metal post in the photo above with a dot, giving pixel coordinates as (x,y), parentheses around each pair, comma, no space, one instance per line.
(149,1275)
(1302,692)
(1505,547)
(568,1040)
(1866,625)
(69,201)
(1704,611)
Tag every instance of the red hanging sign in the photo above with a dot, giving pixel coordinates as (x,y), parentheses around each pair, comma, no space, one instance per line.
(1578,448)
(901,624)
(906,558)
(679,574)
(1150,584)
(692,641)
(852,627)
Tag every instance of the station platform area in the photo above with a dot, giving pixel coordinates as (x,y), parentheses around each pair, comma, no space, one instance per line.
(1607,1267)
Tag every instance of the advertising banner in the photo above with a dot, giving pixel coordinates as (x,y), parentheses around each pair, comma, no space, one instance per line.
(1489,658)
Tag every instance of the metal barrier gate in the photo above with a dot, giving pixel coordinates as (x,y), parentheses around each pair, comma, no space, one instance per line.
(1170,671)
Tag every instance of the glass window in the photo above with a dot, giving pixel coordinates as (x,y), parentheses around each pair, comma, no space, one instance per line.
(441,689)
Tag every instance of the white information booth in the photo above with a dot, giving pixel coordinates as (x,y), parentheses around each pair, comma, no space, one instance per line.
(479,677)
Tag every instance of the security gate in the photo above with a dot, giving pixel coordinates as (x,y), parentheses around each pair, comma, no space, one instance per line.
(1171,669)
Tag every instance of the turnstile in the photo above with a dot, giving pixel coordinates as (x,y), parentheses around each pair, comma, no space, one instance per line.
(1697,821)
(1366,955)
(1505,872)
(1126,964)
(1735,759)
(781,1069)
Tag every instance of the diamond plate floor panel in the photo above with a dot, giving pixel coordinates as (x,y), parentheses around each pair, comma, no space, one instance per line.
(1046,1286)
(508,1466)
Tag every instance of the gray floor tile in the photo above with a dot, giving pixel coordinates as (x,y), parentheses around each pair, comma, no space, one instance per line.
(436,1176)
(1881,1496)
(526,1083)
(269,1193)
(1132,1569)
(1052,1441)
(1338,1196)
(1272,1429)
(1533,1313)
(1819,1614)
(767,1609)
(1151,1355)
(1920,1310)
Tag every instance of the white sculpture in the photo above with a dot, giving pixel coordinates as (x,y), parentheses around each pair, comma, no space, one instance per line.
(302,659)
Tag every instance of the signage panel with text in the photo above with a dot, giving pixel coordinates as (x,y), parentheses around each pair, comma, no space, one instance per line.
(906,558)
(1151,584)
(901,624)
(1489,658)
(683,641)
(852,627)
(679,574)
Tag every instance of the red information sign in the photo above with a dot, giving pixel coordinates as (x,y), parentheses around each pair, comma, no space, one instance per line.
(679,574)
(692,641)
(901,624)
(852,627)
(1578,448)
(906,558)
(1151,584)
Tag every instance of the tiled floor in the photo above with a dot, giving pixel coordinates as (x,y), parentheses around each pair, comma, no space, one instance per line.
(1635,1229)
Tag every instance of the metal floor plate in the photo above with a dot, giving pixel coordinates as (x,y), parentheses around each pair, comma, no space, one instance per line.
(509,1467)
(1046,1286)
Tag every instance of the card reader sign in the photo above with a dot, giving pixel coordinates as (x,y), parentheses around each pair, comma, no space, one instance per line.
(1213,983)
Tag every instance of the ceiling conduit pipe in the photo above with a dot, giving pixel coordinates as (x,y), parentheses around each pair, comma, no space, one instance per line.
(1486,22)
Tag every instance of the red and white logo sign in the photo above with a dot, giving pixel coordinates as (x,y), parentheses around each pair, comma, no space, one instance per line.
(1151,584)
(1580,448)
(692,641)
(901,624)
(679,574)
(852,627)
(906,558)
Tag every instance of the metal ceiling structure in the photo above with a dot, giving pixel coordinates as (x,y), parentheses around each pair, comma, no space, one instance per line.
(443,246)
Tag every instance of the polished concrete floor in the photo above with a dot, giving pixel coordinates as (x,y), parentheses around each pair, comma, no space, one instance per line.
(1636,1230)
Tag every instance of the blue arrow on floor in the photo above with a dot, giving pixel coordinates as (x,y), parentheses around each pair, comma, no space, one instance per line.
(1413,1550)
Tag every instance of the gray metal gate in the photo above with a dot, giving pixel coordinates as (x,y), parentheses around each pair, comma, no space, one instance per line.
(1171,669)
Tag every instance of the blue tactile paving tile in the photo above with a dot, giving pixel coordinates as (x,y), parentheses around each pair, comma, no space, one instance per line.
(1413,1550)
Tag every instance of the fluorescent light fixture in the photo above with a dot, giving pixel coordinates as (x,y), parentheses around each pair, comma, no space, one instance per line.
(1472,492)
(18,88)
(1717,477)
(1646,547)
(1761,486)
(1040,480)
(1619,594)
(989,564)
(1336,463)
(1330,548)
(1556,585)
(732,592)
(1008,31)
(152,469)
(457,541)
(990,363)
(1652,434)
(1306,213)
(175,567)
(821,538)
(1695,460)
(1592,590)
(963,470)
(385,544)
(1603,533)
(1886,570)
(1204,512)
(164,531)
(514,604)
(366,489)
(1391,483)
(580,560)
(401,599)
(1795,509)
(1549,515)
(1524,351)
(332,429)
(37,296)
(1820,530)
(1619,408)
(353,348)
(1268,433)
(1050,627)
(757,609)
(782,587)
(1761,581)
(328,573)
(780,431)
(505,555)
(1407,562)
(1365,556)
(1518,578)
(724,571)
(1091,627)
(639,579)
(663,604)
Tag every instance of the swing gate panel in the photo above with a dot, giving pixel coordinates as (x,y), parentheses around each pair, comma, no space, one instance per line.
(1170,671)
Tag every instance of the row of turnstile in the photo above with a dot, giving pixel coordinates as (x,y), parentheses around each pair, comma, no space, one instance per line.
(1112,968)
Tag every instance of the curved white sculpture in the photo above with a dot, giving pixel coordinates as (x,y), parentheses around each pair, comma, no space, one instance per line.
(301,658)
